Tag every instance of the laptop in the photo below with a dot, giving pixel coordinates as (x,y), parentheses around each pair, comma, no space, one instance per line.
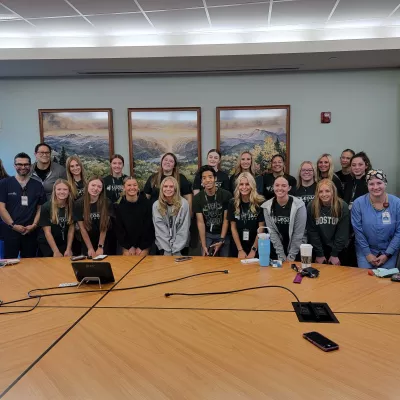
(92,269)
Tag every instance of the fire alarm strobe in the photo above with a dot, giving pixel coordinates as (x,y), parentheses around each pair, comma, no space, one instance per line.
(325,117)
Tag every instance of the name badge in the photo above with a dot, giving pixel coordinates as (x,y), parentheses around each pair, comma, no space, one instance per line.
(24,200)
(246,234)
(386,217)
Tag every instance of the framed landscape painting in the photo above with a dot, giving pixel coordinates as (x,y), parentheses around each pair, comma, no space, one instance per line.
(262,130)
(87,133)
(156,131)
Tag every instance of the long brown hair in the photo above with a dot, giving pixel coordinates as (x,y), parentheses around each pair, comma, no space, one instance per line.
(70,178)
(336,202)
(238,167)
(176,200)
(102,206)
(3,172)
(255,199)
(156,180)
(54,208)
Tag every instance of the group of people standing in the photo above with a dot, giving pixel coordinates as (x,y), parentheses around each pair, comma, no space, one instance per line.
(347,216)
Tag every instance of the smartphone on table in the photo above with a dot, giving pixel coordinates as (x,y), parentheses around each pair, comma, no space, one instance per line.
(320,341)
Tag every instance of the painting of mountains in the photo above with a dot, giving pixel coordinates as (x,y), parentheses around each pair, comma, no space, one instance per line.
(262,130)
(156,131)
(85,133)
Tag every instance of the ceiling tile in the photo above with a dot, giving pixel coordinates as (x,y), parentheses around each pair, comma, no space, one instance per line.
(179,21)
(239,17)
(113,24)
(152,5)
(301,12)
(73,25)
(211,3)
(40,8)
(88,7)
(367,9)
(14,28)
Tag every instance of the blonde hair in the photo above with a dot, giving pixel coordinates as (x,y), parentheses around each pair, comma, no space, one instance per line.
(301,166)
(176,199)
(336,202)
(54,208)
(70,178)
(123,192)
(238,167)
(331,167)
(255,199)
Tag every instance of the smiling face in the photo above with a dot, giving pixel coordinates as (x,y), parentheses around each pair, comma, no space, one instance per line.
(244,187)
(22,166)
(43,155)
(358,167)
(213,159)
(62,191)
(376,187)
(95,187)
(75,168)
(208,180)
(324,164)
(168,164)
(131,187)
(325,194)
(277,165)
(281,188)
(116,166)
(307,172)
(345,159)
(168,188)
(245,161)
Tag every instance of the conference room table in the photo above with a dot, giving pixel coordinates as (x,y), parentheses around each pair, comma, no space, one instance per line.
(130,341)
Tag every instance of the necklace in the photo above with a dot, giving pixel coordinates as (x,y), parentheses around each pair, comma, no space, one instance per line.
(385,204)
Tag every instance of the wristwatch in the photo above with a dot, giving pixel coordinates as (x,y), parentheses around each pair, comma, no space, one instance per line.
(388,255)
(254,248)
(100,246)
(12,225)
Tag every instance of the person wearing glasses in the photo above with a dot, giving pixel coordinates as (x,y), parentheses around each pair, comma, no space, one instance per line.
(306,184)
(46,171)
(20,202)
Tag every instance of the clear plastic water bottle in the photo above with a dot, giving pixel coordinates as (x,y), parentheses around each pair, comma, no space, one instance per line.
(264,247)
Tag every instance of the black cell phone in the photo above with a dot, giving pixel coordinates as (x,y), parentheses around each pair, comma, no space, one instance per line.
(181,259)
(77,258)
(321,341)
(211,251)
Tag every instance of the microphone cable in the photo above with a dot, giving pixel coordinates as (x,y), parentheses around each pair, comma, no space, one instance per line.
(40,296)
(232,291)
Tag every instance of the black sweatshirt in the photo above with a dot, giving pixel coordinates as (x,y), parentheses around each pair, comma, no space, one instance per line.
(114,187)
(306,193)
(268,185)
(134,223)
(328,235)
(354,189)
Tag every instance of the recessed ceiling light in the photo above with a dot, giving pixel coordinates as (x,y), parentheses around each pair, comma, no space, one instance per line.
(8,17)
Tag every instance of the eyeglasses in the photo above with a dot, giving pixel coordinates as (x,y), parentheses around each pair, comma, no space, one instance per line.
(307,170)
(43,153)
(22,165)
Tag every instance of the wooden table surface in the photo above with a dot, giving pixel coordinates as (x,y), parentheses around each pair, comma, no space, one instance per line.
(137,344)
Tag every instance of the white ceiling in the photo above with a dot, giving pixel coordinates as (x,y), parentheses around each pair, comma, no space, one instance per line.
(140,28)
(103,17)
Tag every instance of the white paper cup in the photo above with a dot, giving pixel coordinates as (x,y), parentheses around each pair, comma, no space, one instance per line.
(306,255)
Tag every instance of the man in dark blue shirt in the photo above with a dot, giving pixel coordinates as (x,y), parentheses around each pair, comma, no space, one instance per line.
(20,202)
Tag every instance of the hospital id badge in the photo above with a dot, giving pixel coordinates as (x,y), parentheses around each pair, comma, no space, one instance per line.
(24,200)
(246,234)
(386,217)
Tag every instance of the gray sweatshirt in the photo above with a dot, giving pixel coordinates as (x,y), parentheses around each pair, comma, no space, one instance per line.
(297,226)
(172,242)
(57,171)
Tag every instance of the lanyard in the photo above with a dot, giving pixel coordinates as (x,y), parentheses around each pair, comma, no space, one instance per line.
(215,196)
